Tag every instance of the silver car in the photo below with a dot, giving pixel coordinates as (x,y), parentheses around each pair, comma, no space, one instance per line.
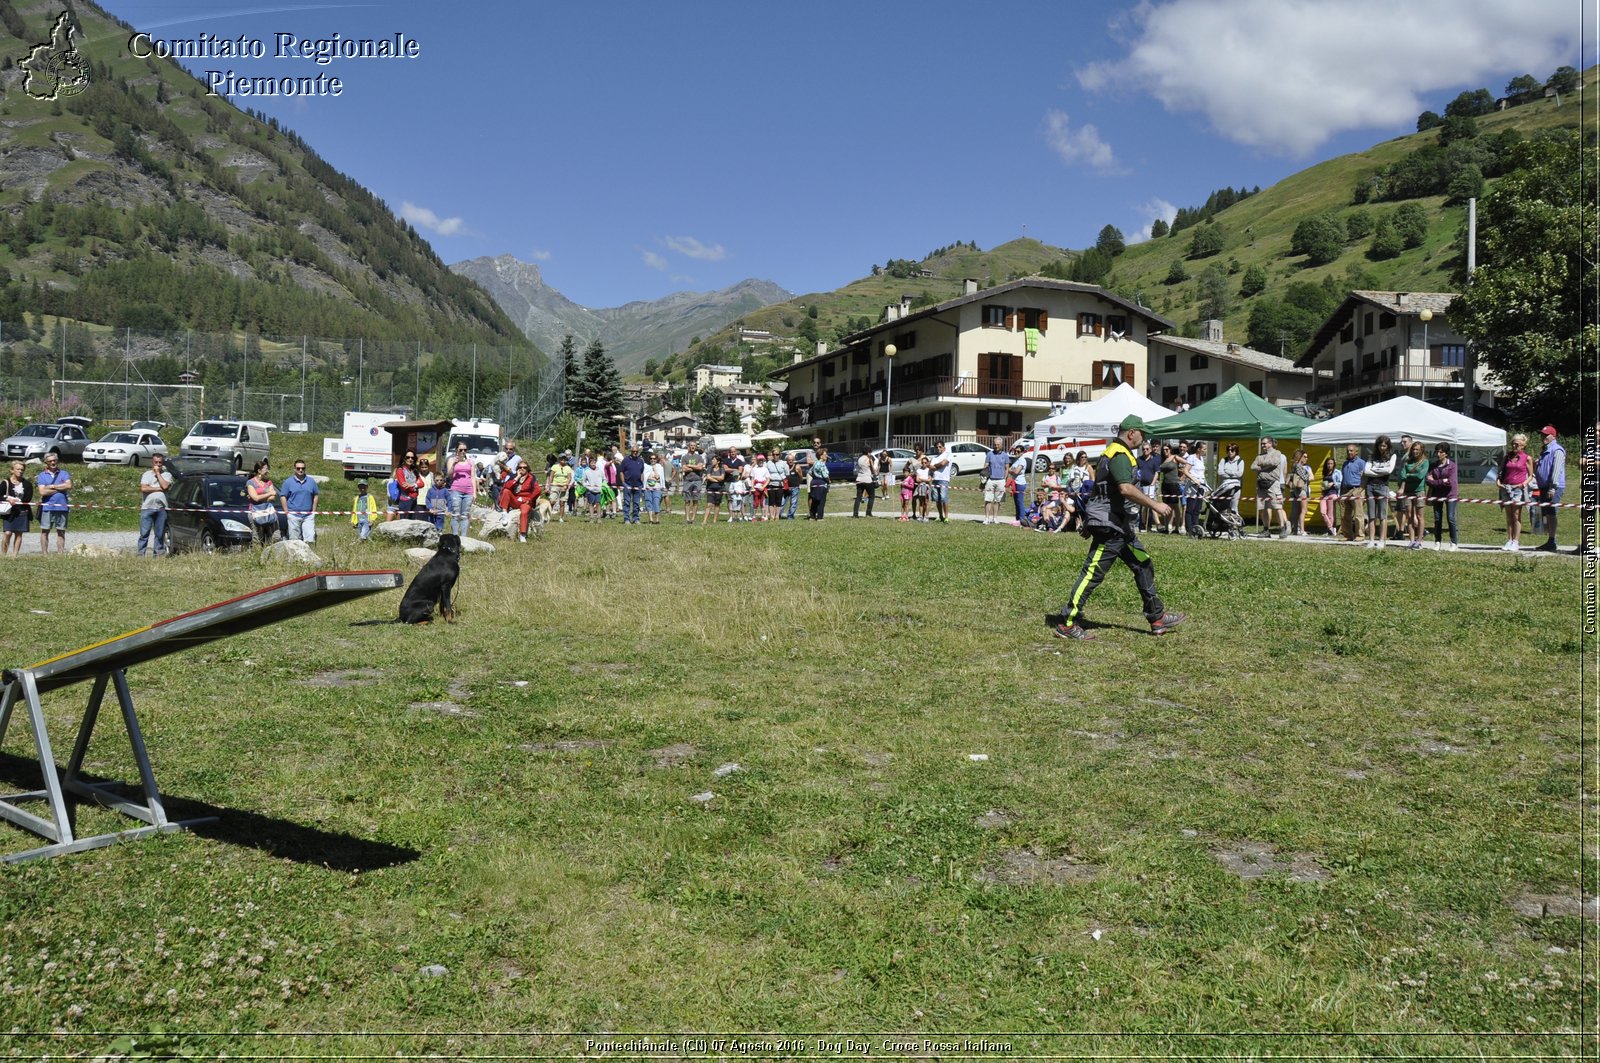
(125,448)
(65,438)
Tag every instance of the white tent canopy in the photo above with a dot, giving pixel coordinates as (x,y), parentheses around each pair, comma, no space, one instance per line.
(1405,415)
(1100,417)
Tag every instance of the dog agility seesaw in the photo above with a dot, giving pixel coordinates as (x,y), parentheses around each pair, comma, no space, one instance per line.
(107,663)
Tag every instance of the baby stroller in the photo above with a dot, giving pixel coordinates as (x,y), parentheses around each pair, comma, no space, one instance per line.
(1219,519)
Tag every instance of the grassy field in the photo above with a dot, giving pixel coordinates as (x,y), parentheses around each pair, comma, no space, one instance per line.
(1336,814)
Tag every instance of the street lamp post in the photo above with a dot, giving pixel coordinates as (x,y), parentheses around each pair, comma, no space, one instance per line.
(889,351)
(1427,355)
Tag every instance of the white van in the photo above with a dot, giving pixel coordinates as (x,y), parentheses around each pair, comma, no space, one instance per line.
(243,443)
(484,441)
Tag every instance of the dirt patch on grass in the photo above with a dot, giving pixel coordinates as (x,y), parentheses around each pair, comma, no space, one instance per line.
(1252,860)
(674,755)
(443,708)
(1030,867)
(1562,902)
(877,760)
(994,819)
(1431,746)
(567,745)
(345,678)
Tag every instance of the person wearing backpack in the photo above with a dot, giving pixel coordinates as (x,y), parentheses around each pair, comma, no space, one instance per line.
(1109,522)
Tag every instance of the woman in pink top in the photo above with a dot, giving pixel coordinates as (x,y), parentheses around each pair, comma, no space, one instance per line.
(463,486)
(1514,473)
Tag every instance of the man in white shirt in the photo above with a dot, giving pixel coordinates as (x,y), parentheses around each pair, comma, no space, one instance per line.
(944,467)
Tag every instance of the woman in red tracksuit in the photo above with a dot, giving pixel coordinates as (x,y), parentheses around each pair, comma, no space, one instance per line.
(525,492)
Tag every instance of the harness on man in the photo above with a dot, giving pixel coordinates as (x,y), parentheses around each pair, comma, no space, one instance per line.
(1099,511)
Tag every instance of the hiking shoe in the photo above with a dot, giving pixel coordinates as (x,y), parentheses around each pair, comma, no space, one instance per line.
(1075,632)
(1165,623)
(1545,548)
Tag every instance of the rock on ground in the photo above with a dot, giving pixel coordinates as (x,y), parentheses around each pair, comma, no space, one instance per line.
(294,551)
(407,531)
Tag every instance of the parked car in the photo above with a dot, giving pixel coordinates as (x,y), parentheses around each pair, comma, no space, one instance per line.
(67,438)
(153,426)
(243,443)
(968,457)
(841,466)
(125,448)
(1059,451)
(206,510)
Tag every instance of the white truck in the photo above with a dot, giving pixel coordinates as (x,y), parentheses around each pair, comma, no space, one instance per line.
(365,449)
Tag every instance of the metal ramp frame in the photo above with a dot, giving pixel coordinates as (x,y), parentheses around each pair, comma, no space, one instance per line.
(106,663)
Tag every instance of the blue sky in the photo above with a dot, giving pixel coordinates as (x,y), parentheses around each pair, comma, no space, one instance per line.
(632,149)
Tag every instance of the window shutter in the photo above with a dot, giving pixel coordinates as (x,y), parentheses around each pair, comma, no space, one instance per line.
(1044,320)
(1011,319)
(983,367)
(1094,373)
(1127,374)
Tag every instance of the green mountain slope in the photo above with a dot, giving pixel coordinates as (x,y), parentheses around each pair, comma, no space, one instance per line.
(842,310)
(1257,232)
(135,199)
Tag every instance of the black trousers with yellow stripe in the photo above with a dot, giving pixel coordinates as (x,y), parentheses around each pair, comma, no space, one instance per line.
(1109,548)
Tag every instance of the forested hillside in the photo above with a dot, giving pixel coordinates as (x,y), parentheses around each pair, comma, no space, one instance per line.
(1270,263)
(139,201)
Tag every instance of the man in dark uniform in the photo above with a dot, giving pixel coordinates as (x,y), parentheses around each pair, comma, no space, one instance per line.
(1111,519)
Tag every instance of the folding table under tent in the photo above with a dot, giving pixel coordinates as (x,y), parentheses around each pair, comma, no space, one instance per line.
(107,663)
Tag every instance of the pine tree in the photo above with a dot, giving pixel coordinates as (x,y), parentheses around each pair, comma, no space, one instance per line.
(712,411)
(600,386)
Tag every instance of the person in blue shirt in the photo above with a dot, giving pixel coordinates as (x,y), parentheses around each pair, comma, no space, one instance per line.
(53,484)
(1146,472)
(1349,478)
(1551,476)
(299,495)
(994,484)
(631,472)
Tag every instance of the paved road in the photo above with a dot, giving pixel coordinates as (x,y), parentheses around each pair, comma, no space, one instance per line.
(116,540)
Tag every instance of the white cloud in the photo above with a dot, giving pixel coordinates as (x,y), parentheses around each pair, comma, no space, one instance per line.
(653,260)
(1080,146)
(1285,75)
(689,247)
(1156,208)
(423,218)
(540,255)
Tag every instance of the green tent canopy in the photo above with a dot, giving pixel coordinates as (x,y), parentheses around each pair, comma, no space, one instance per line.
(1237,413)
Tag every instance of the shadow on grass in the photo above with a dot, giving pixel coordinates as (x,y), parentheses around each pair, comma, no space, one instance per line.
(276,837)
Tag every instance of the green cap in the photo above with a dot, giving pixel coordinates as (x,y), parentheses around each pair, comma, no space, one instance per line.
(1130,422)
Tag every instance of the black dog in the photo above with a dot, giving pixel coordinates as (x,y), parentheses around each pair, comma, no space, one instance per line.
(433,585)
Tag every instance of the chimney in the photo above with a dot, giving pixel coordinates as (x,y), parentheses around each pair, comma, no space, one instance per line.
(891,312)
(1211,330)
(905,304)
(1402,298)
(969,286)
(1233,348)
(798,357)
(822,346)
